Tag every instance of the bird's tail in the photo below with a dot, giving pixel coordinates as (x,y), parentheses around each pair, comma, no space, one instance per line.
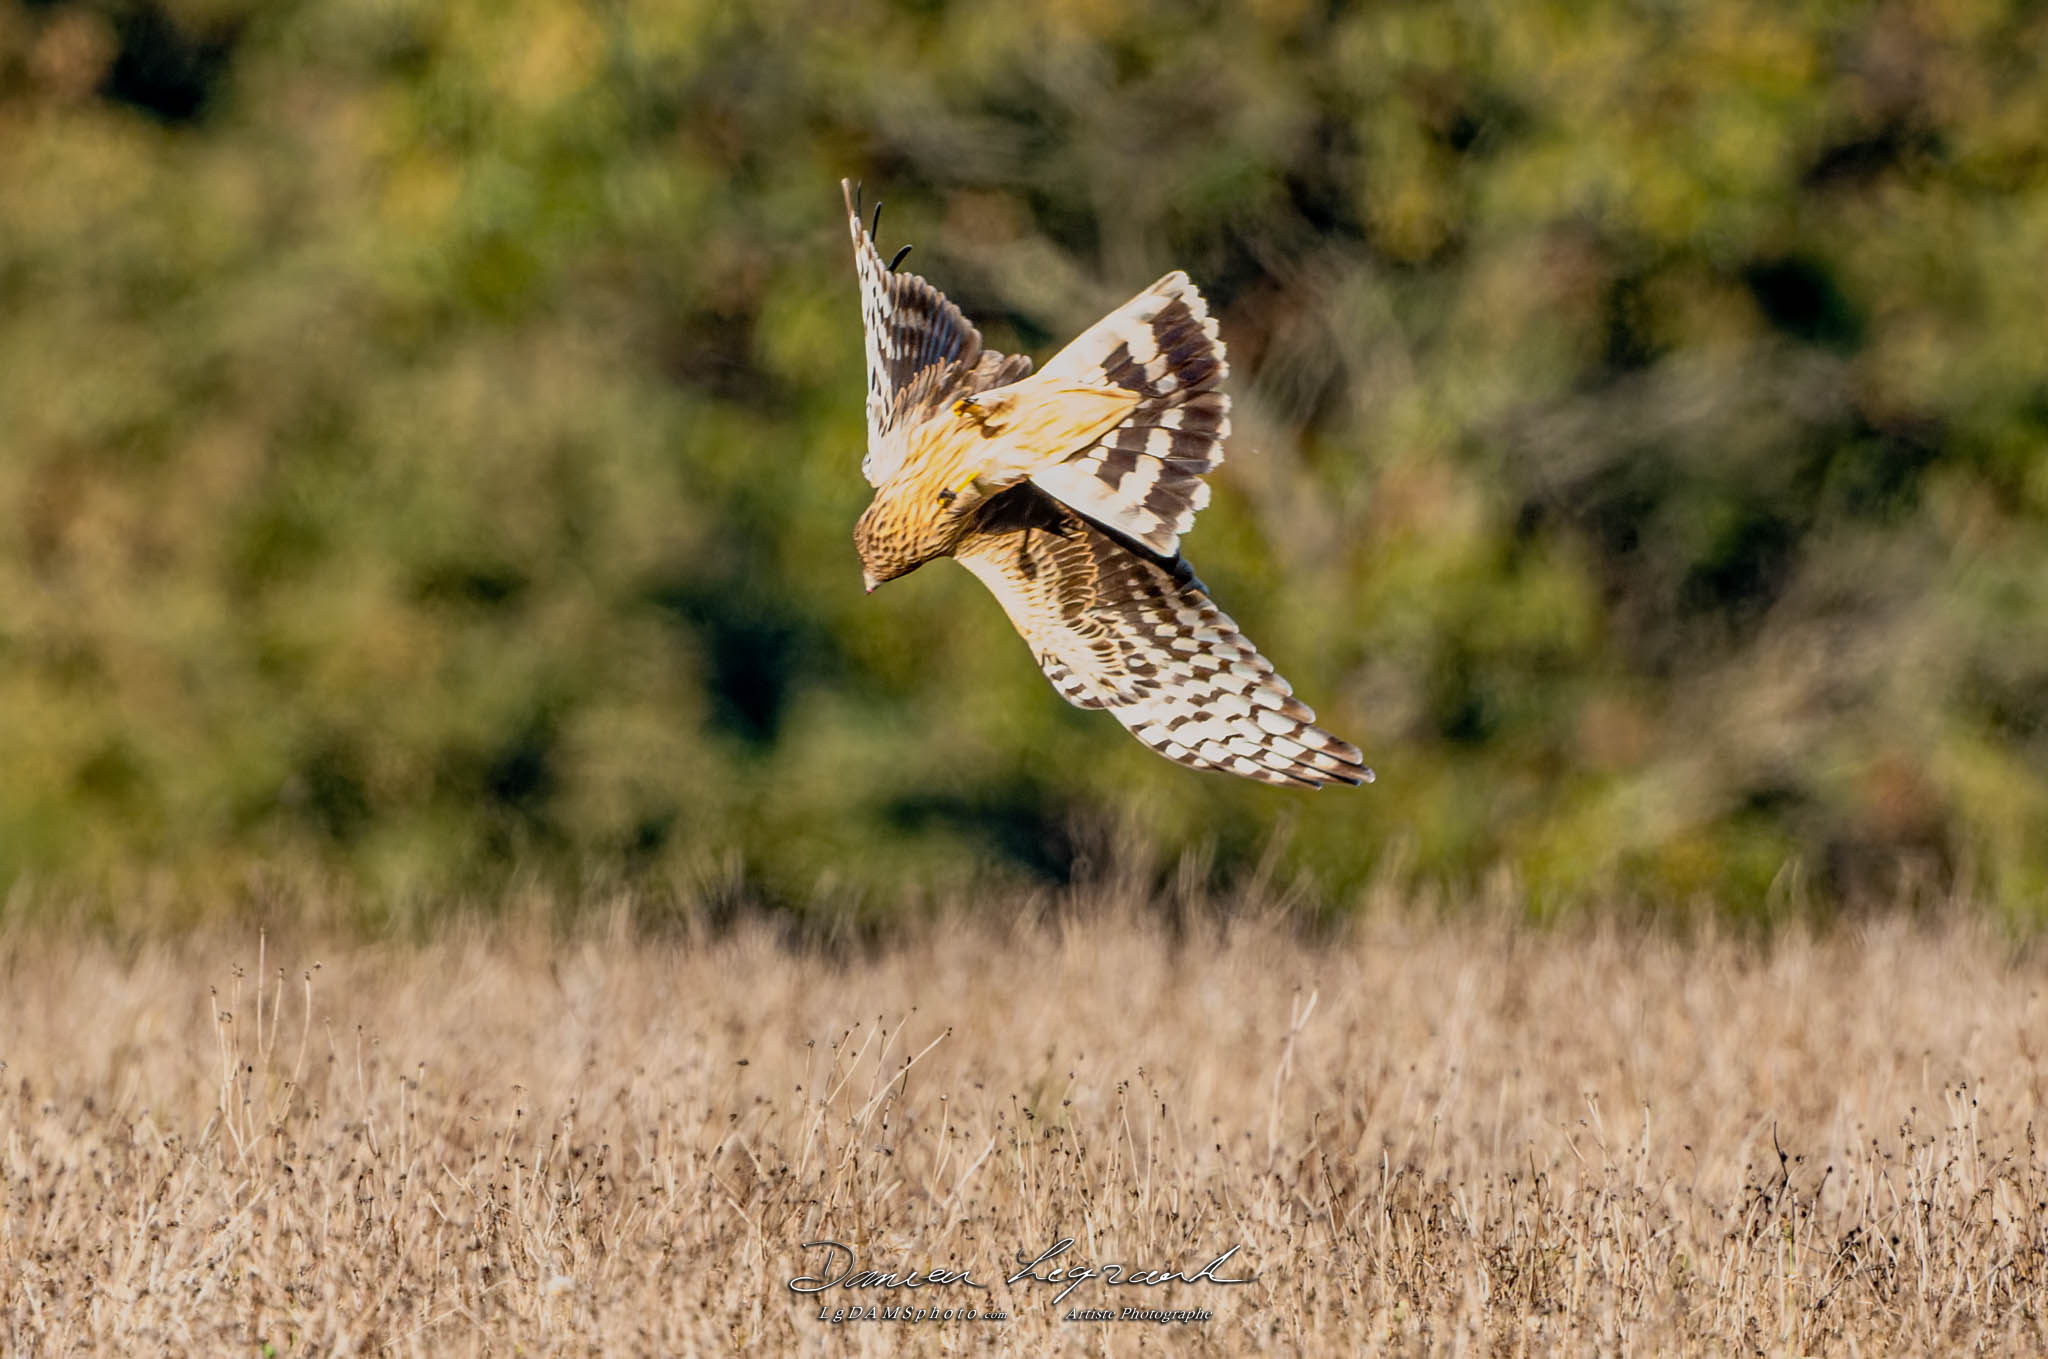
(1143,478)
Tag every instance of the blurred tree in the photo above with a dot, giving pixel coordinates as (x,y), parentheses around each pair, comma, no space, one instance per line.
(432,434)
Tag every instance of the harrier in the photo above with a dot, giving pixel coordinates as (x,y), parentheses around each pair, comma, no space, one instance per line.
(1066,492)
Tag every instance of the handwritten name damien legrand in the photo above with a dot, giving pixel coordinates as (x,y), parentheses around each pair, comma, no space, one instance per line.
(1115,1274)
(840,1271)
(847,1276)
(841,1268)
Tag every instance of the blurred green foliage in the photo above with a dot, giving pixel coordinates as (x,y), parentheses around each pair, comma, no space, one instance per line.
(432,435)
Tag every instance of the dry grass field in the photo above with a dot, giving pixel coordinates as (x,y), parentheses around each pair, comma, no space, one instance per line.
(1421,1136)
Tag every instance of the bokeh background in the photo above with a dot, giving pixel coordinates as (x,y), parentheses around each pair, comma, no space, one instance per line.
(429,439)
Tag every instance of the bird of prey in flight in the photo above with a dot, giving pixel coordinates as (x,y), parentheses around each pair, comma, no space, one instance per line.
(1065,492)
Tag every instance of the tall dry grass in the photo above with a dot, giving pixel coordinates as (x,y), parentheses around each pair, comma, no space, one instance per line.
(1424,1137)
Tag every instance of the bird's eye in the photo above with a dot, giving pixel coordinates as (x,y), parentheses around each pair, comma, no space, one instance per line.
(948,497)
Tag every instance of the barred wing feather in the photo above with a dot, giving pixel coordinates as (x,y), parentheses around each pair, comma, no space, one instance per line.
(1143,478)
(1115,628)
(921,351)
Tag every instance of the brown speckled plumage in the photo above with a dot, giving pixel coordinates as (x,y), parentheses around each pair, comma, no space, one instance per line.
(1065,492)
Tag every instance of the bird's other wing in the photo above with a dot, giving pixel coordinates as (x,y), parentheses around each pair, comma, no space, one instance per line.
(921,351)
(1113,628)
(1144,477)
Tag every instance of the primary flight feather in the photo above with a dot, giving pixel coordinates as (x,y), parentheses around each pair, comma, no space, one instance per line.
(1065,492)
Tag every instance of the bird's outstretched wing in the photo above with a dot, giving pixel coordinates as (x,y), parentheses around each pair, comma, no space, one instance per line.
(1115,628)
(921,351)
(1144,478)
